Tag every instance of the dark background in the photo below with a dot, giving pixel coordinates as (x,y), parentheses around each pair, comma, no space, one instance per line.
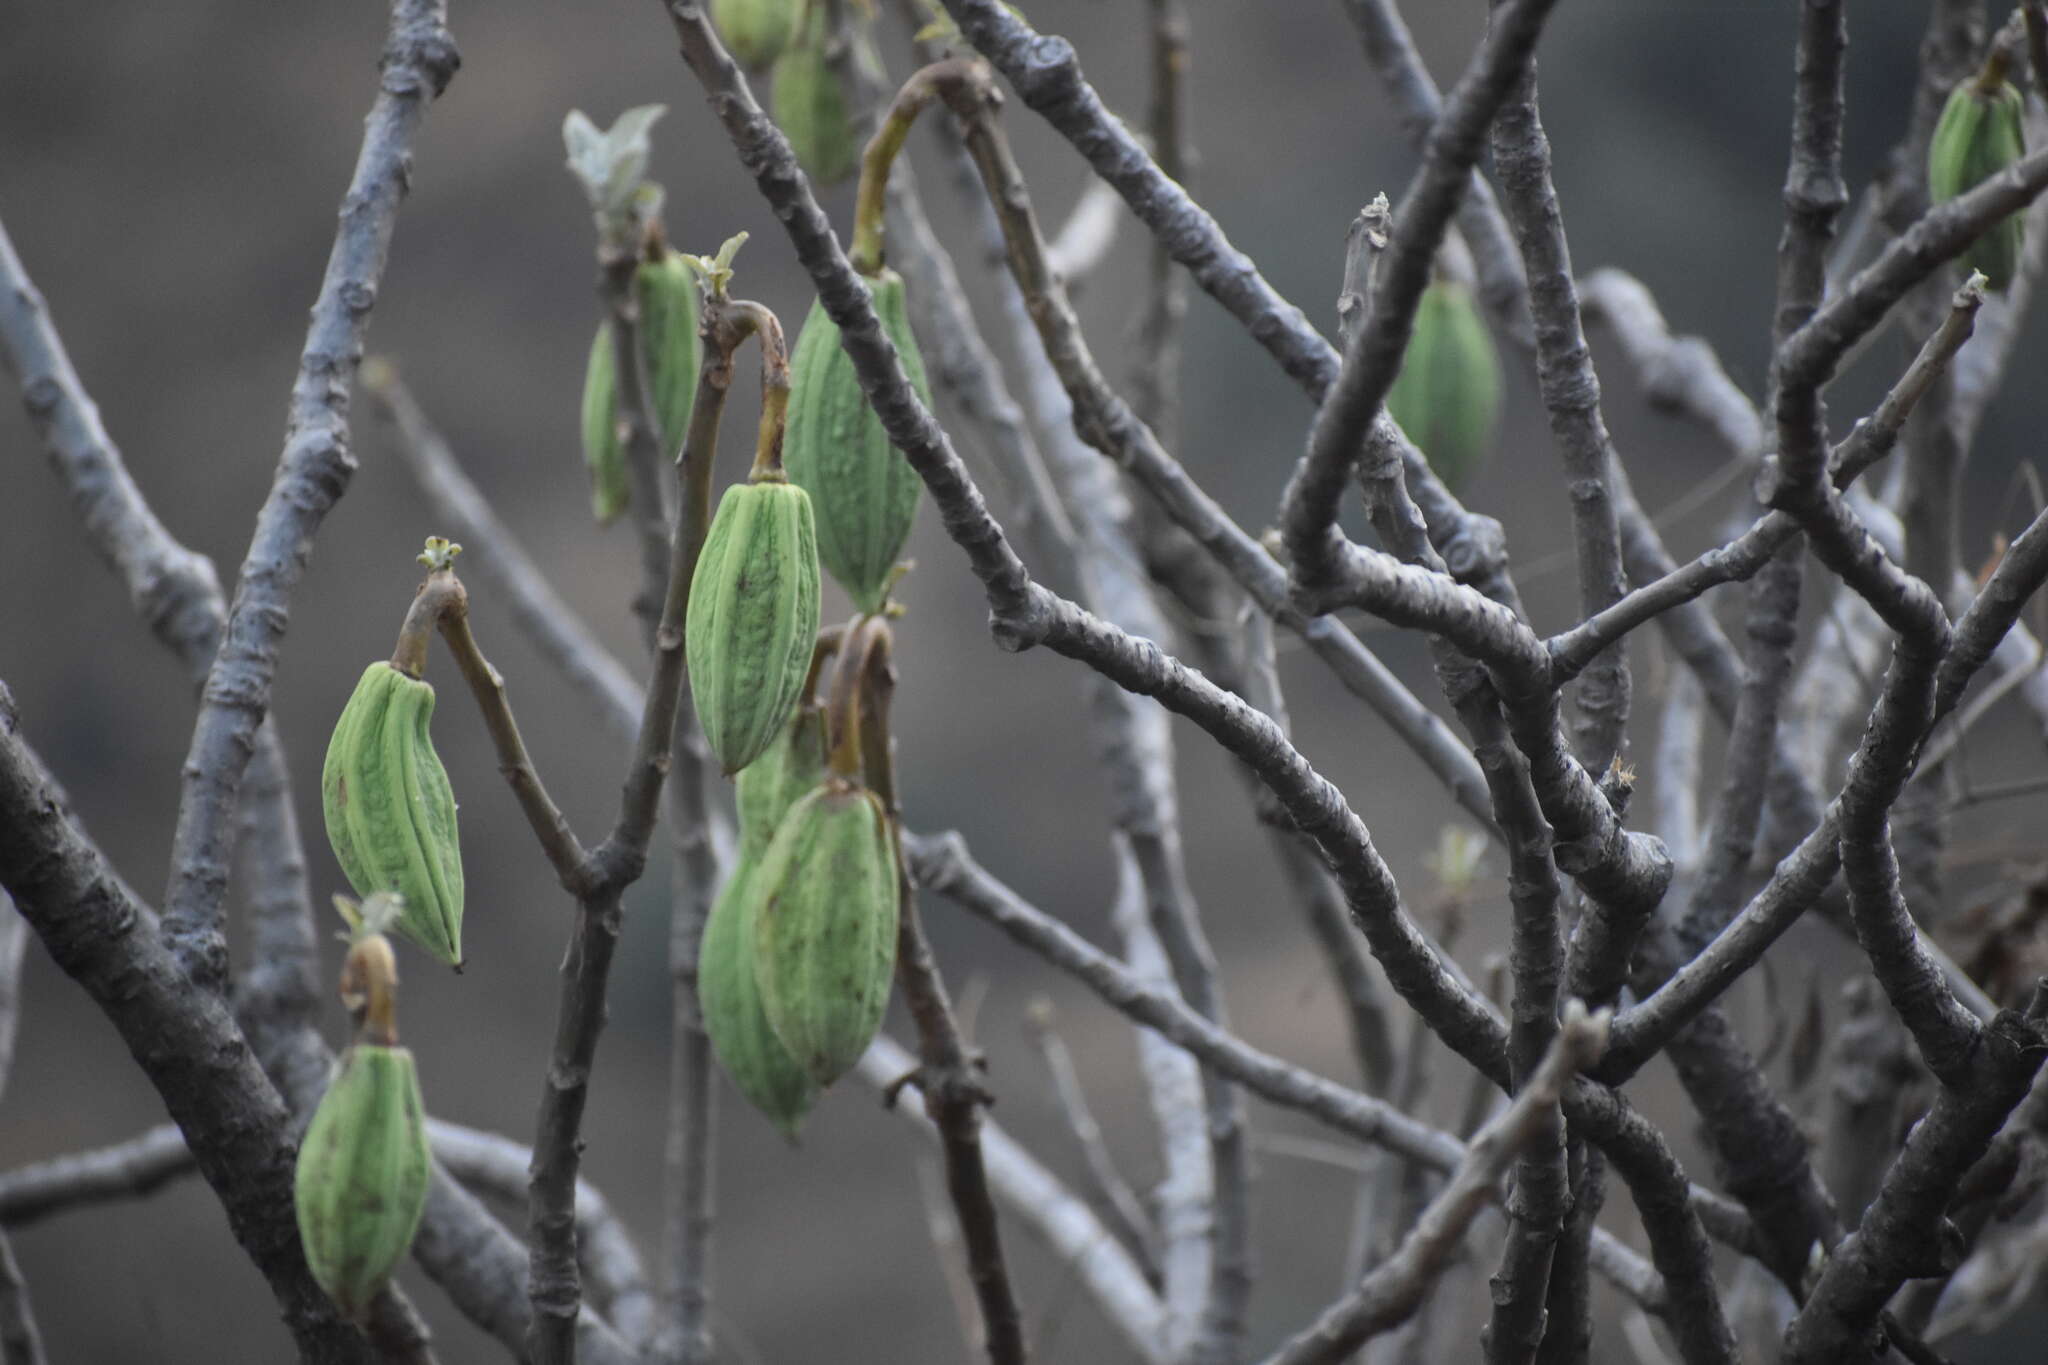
(170,174)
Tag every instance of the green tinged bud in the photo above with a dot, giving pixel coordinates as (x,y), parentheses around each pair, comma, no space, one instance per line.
(1981,132)
(753,617)
(755,31)
(825,927)
(747,1047)
(865,493)
(1447,396)
(811,108)
(361,1181)
(390,811)
(603,452)
(670,350)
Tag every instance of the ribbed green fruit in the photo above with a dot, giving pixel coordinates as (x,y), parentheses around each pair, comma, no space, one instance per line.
(603,452)
(670,351)
(810,107)
(753,618)
(784,773)
(1980,134)
(731,998)
(1447,396)
(361,1181)
(390,811)
(865,493)
(755,31)
(825,927)
(670,344)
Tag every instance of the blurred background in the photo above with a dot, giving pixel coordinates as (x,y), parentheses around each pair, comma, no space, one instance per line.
(170,174)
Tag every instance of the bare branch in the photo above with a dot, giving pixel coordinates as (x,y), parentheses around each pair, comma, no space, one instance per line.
(1394,1288)
(313,471)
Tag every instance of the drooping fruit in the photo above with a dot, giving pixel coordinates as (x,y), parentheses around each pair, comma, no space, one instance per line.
(1447,396)
(390,811)
(670,350)
(361,1181)
(755,31)
(809,105)
(670,344)
(753,615)
(747,1047)
(865,493)
(825,927)
(784,773)
(1981,132)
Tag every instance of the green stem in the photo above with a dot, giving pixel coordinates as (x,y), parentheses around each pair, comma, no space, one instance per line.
(923,87)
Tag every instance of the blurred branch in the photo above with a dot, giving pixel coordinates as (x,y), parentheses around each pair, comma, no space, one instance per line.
(312,473)
(1397,1285)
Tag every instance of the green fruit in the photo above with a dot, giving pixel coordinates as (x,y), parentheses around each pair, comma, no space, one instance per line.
(670,350)
(603,452)
(390,811)
(753,618)
(825,927)
(755,31)
(866,494)
(1447,396)
(669,344)
(361,1181)
(747,1048)
(1980,134)
(786,770)
(811,108)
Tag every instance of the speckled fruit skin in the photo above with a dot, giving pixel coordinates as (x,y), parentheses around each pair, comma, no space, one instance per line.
(825,927)
(389,810)
(361,1181)
(755,31)
(760,1067)
(753,618)
(866,494)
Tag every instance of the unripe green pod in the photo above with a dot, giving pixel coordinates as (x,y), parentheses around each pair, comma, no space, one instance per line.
(731,998)
(361,1181)
(670,350)
(753,617)
(825,927)
(1447,396)
(669,344)
(784,773)
(865,493)
(1981,132)
(755,31)
(810,107)
(603,452)
(390,811)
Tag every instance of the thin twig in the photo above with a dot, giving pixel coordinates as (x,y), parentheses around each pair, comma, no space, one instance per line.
(313,471)
(1394,1288)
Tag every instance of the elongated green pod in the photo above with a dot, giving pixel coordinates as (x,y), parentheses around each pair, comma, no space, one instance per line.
(810,107)
(755,31)
(603,453)
(825,927)
(389,809)
(361,1180)
(747,1047)
(865,493)
(753,618)
(669,344)
(784,773)
(1447,396)
(1980,133)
